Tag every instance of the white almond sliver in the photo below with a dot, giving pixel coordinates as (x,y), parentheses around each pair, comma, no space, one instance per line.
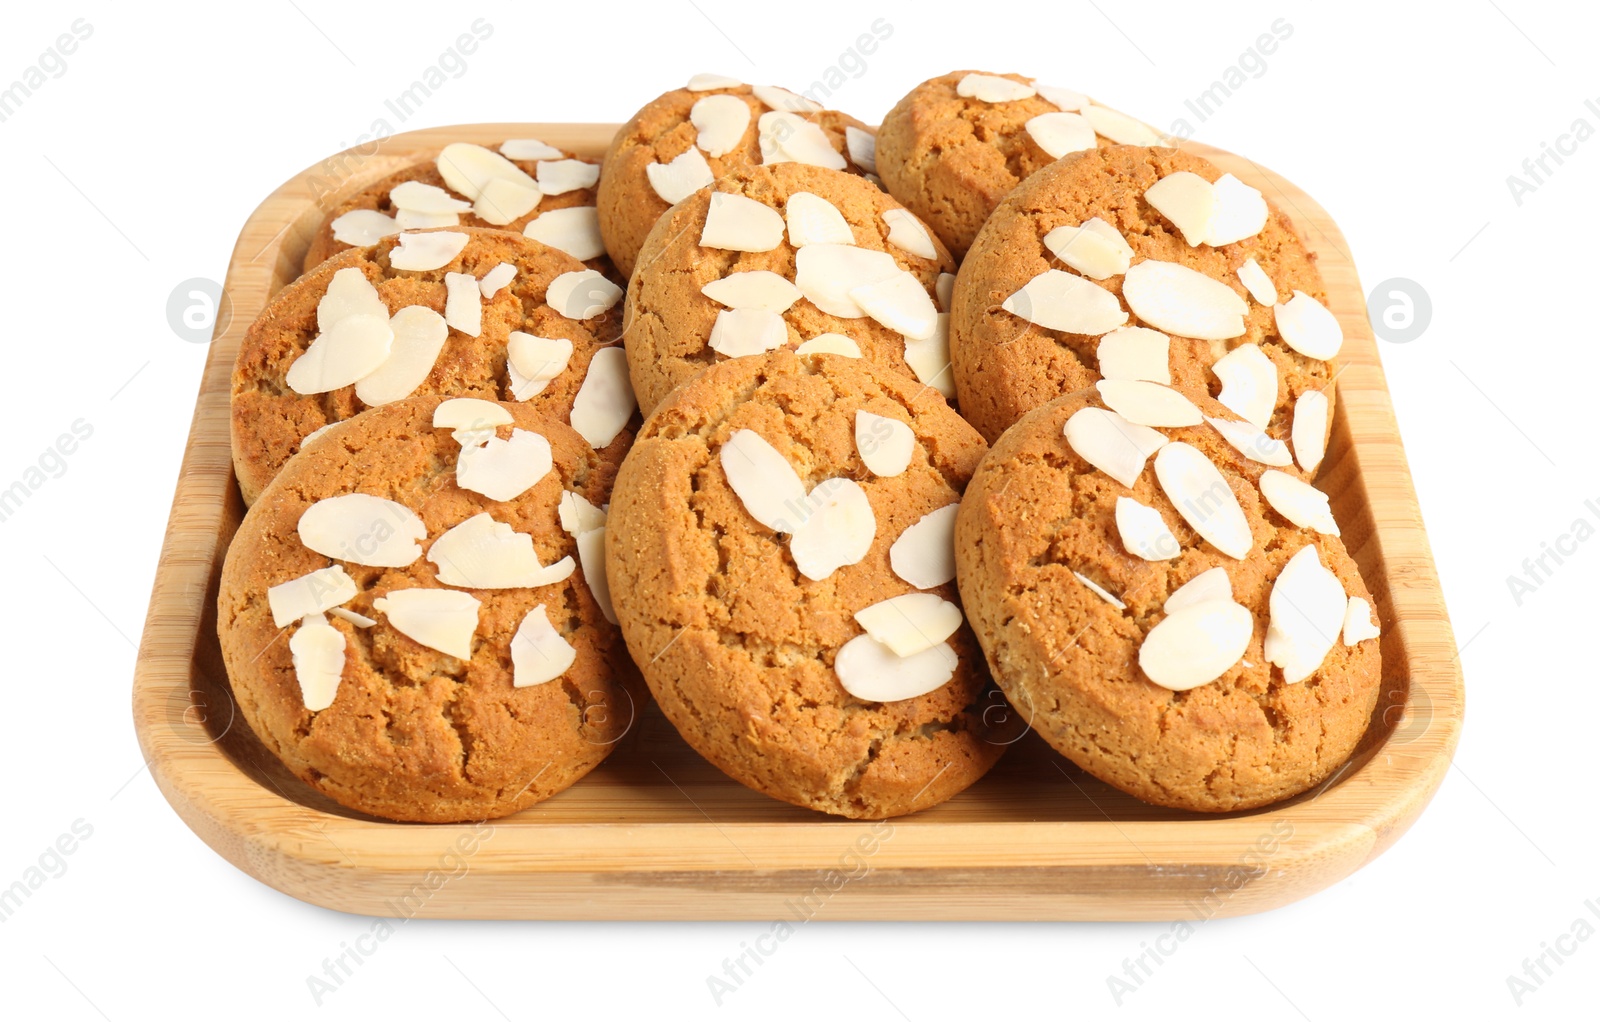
(354,347)
(363,227)
(312,593)
(1241,212)
(721,121)
(1185,302)
(1309,433)
(1094,248)
(481,553)
(362,529)
(900,303)
(605,402)
(1186,199)
(814,220)
(1307,609)
(741,224)
(345,614)
(1148,404)
(1135,353)
(538,652)
(837,530)
(826,274)
(419,336)
(467,168)
(315,433)
(463,303)
(428,251)
(911,623)
(1100,591)
(504,469)
(1067,302)
(1063,99)
(1359,625)
(762,479)
(528,149)
(790,138)
(316,649)
(578,515)
(1298,501)
(870,671)
(908,235)
(687,173)
(1307,326)
(885,444)
(992,88)
(706,81)
(1249,440)
(411,220)
(504,200)
(558,177)
(425,198)
(470,413)
(582,294)
(1120,128)
(929,358)
(441,619)
(1196,645)
(1061,133)
(943,289)
(534,361)
(497,278)
(830,344)
(782,99)
(753,289)
(740,332)
(1249,383)
(574,230)
(1256,281)
(1212,584)
(349,293)
(1111,443)
(863,148)
(925,553)
(1144,532)
(1197,489)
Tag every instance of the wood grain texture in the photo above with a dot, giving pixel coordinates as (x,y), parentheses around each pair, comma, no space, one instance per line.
(656,833)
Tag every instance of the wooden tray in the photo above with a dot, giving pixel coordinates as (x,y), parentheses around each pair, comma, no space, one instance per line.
(656,833)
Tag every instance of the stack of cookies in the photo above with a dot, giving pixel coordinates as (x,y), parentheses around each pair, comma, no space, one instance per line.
(534,440)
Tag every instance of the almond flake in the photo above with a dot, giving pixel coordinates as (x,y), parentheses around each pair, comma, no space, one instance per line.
(925,553)
(1197,489)
(1094,248)
(1067,302)
(482,553)
(1359,625)
(313,593)
(783,99)
(1186,199)
(790,138)
(863,148)
(425,198)
(992,88)
(528,149)
(1196,645)
(870,671)
(426,251)
(1241,212)
(558,177)
(315,433)
(504,200)
(1309,434)
(929,358)
(706,81)
(363,227)
(826,274)
(1144,532)
(592,556)
(463,303)
(349,293)
(685,174)
(1249,383)
(762,479)
(1212,584)
(740,224)
(419,336)
(534,361)
(830,344)
(574,230)
(582,294)
(1111,443)
(362,529)
(943,289)
(900,303)
(1135,353)
(911,623)
(470,413)
(605,402)
(814,220)
(441,619)
(317,651)
(411,220)
(721,120)
(1298,501)
(538,652)
(353,347)
(739,332)
(1307,326)
(885,444)
(753,289)
(345,614)
(1256,281)
(1100,591)
(1185,302)
(504,469)
(1061,133)
(578,515)
(836,531)
(497,278)
(1249,440)
(1062,99)
(907,233)
(1148,404)
(468,168)
(1120,128)
(1307,610)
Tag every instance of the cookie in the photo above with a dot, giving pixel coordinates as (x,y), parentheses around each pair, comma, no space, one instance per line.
(955,145)
(760,526)
(687,138)
(1252,686)
(371,664)
(1037,297)
(448,190)
(775,268)
(468,312)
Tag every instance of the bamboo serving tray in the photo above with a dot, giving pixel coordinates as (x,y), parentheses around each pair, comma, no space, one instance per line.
(657,833)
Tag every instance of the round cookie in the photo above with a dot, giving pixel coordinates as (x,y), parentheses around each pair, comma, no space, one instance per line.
(1039,526)
(955,145)
(410,732)
(1005,365)
(576,233)
(671,322)
(270,418)
(798,130)
(742,650)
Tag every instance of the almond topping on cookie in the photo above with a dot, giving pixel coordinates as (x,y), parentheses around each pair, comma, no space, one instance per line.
(1358,623)
(830,344)
(578,515)
(992,88)
(575,230)
(925,553)
(526,149)
(482,553)
(835,528)
(1241,212)
(870,671)
(762,479)
(886,445)
(497,278)
(1067,302)
(706,81)
(363,529)
(411,220)
(1307,609)
(1061,133)
(1062,99)
(814,220)
(538,652)
(1186,199)
(753,289)
(1185,302)
(783,99)
(1256,281)
(1249,383)
(929,358)
(900,303)
(685,174)
(441,619)
(313,593)
(721,121)
(826,274)
(1309,434)
(790,138)
(1144,532)
(463,303)
(605,401)
(1211,584)
(1148,404)
(363,227)
(468,168)
(943,288)
(425,198)
(504,200)
(345,614)
(740,224)
(582,294)
(470,413)
(504,469)
(349,293)
(739,332)
(1249,440)
(1196,645)
(316,433)
(419,336)
(1197,489)
(1135,353)
(558,177)
(908,235)
(1111,443)
(1099,591)
(1307,326)
(1298,501)
(1094,248)
(911,623)
(429,251)
(863,148)
(533,361)
(339,356)
(1120,128)
(317,651)
(592,557)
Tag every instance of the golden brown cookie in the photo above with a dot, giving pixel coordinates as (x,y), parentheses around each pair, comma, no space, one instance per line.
(402,729)
(283,372)
(563,180)
(1006,364)
(955,145)
(686,138)
(1046,540)
(743,633)
(675,328)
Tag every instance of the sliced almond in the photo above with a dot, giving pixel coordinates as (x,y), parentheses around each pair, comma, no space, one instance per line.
(346,614)
(1307,326)
(1100,591)
(504,200)
(305,440)
(1241,212)
(836,531)
(826,274)
(533,361)
(1111,443)
(706,81)
(1256,281)
(1196,645)
(482,553)
(352,348)
(1062,99)
(814,220)
(911,623)
(582,294)
(411,220)
(943,289)
(1307,609)
(721,121)
(1249,383)
(830,344)
(740,224)
(886,445)
(1212,584)
(1298,501)
(419,336)
(362,529)
(1120,128)
(578,515)
(428,251)
(992,88)
(472,419)
(900,303)
(558,177)
(605,402)
(782,99)
(349,293)
(1061,133)
(1094,248)
(1067,302)
(441,619)
(929,358)
(739,332)
(1148,404)
(870,671)
(363,227)
(495,279)
(528,149)
(1200,494)
(762,479)
(312,593)
(1181,301)
(467,168)
(504,469)
(753,289)
(1249,440)
(1186,199)
(1359,625)
(681,177)
(925,553)
(425,198)
(908,235)
(863,148)
(1144,532)
(316,649)
(786,137)
(538,652)
(1309,433)
(463,303)
(575,230)
(1135,353)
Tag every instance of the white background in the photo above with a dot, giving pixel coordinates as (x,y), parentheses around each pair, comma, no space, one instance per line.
(134,170)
